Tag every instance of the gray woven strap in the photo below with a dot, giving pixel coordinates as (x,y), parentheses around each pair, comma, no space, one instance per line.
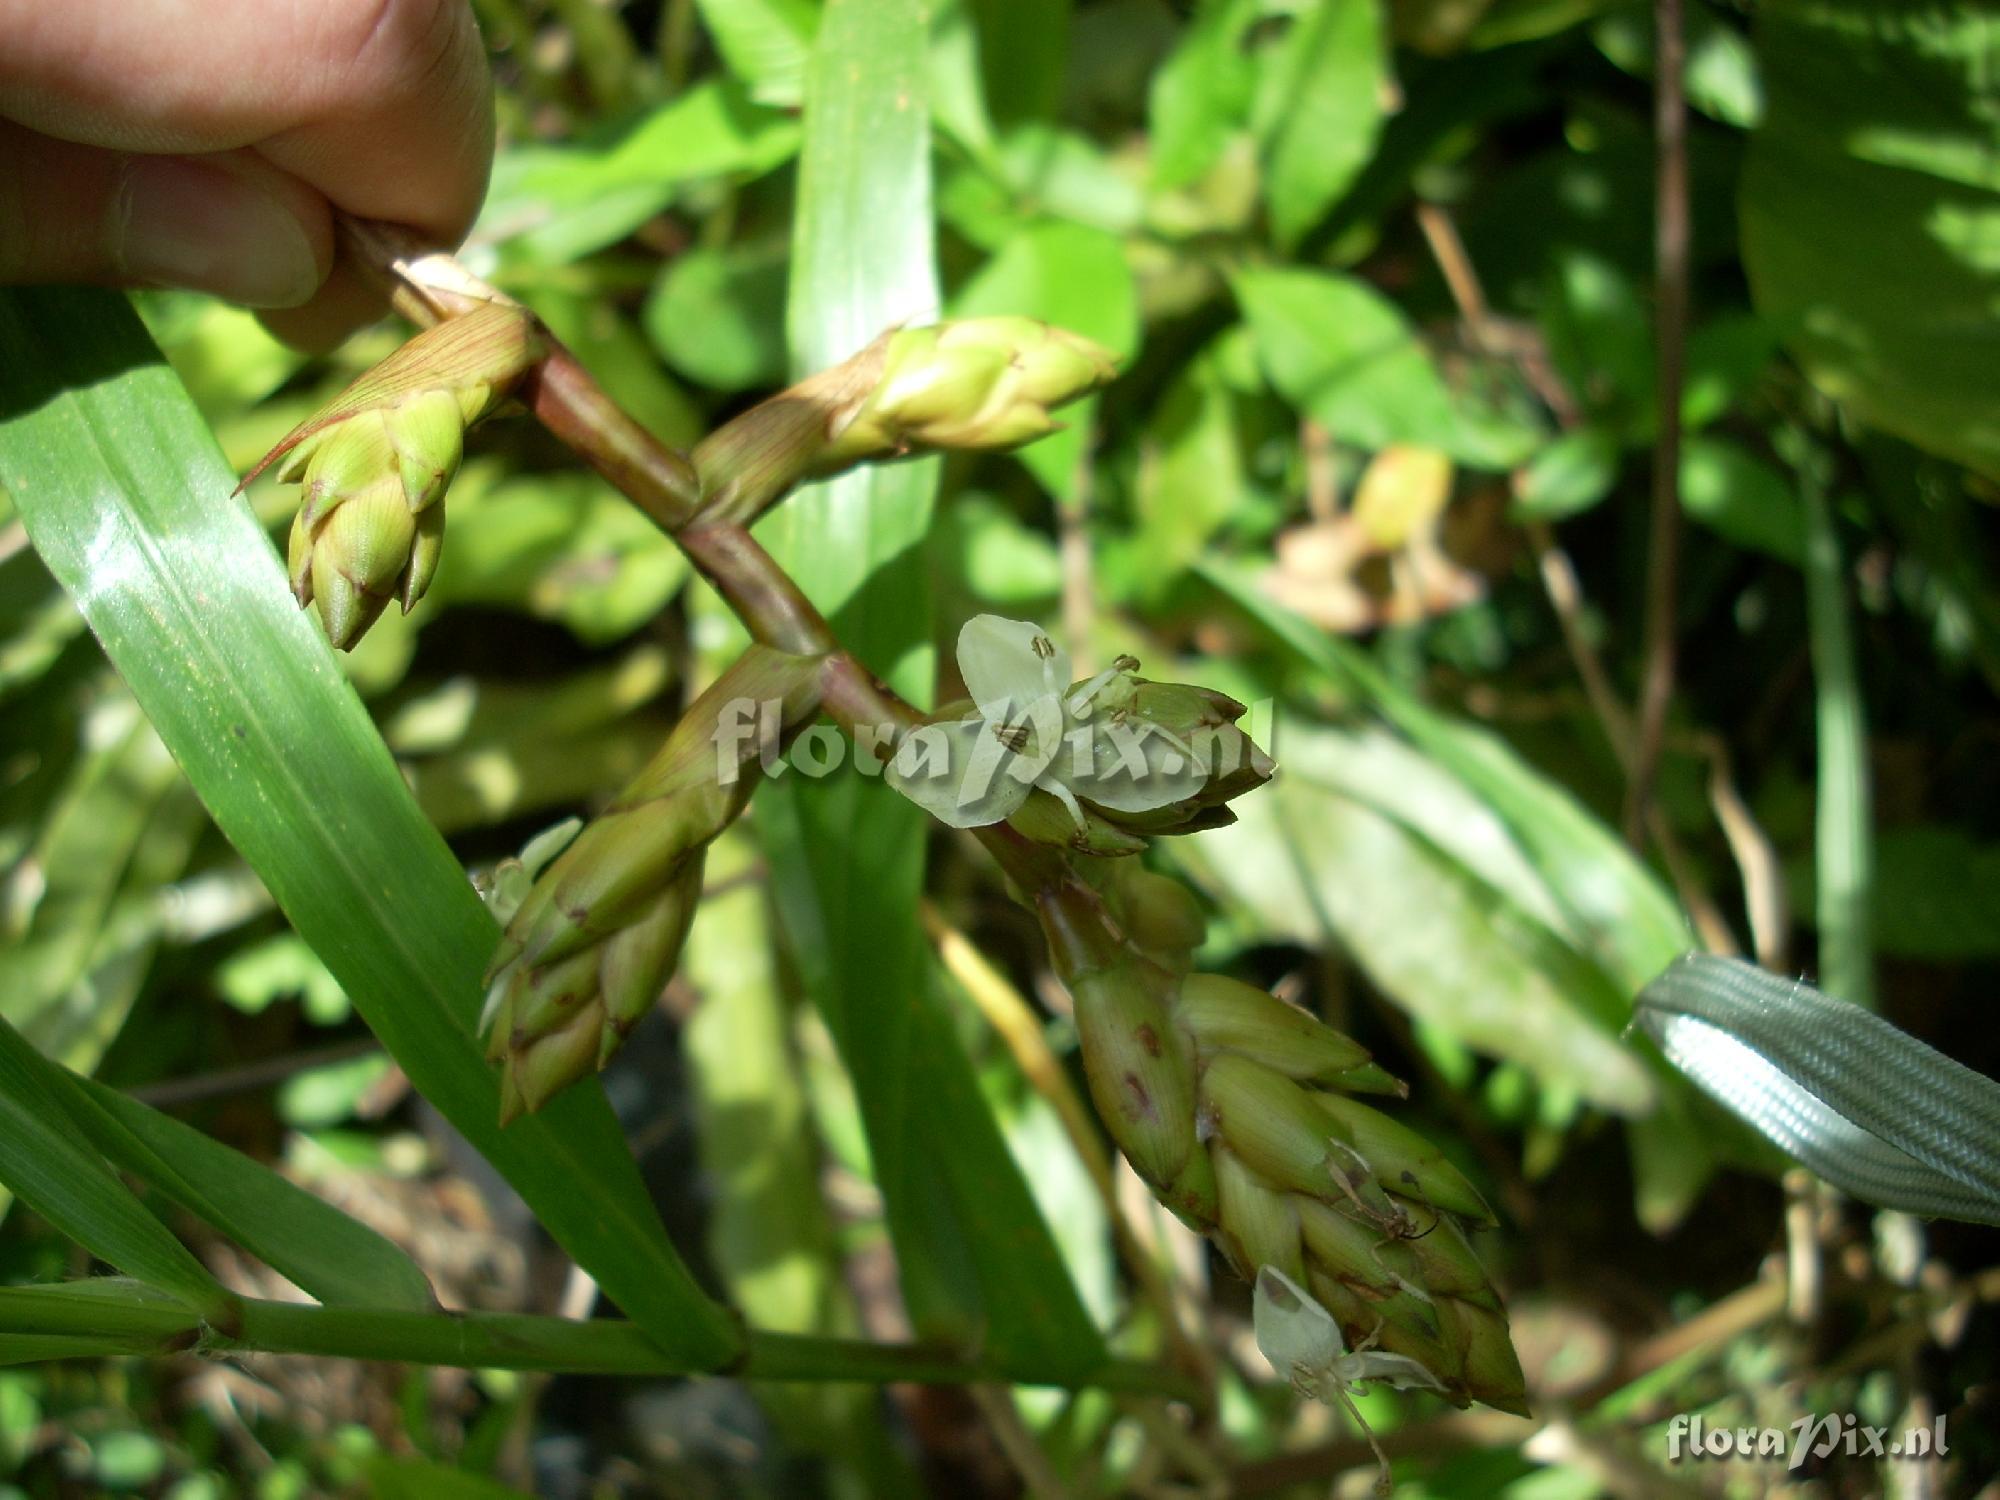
(1874,1111)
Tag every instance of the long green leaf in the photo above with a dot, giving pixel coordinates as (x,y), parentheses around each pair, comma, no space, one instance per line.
(327,1254)
(979,1267)
(44,1160)
(1620,912)
(1870,1108)
(127,498)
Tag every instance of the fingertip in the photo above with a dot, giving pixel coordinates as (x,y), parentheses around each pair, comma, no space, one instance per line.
(343,304)
(228,224)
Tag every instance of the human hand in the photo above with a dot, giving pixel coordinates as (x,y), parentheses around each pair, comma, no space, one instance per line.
(206,143)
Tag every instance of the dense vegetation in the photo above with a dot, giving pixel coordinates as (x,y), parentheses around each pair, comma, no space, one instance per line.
(1585,478)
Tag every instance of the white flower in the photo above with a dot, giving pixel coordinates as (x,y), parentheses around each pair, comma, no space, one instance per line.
(1304,1344)
(1031,728)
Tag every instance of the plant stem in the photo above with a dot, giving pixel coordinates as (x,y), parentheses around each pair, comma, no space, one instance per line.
(514,1341)
(1656,688)
(1843,844)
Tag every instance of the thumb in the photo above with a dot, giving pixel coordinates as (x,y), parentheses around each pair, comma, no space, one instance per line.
(228,223)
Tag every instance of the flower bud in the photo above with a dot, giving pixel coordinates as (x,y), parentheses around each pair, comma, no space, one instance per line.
(1189,737)
(595,940)
(975,383)
(1226,1015)
(376,460)
(1137,1065)
(1404,1162)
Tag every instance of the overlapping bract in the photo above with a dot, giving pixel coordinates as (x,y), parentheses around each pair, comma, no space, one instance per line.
(376,461)
(1240,1112)
(594,943)
(975,384)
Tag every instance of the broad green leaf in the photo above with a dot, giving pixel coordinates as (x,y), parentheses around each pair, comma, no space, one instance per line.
(43,1158)
(1319,110)
(764,43)
(1618,910)
(1339,352)
(1075,278)
(1001,561)
(717,316)
(321,1250)
(1201,95)
(1871,212)
(1741,497)
(128,500)
(1569,476)
(1191,478)
(550,205)
(847,854)
(1352,844)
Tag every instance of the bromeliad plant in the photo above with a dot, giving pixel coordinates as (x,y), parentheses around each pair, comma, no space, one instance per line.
(1240,1111)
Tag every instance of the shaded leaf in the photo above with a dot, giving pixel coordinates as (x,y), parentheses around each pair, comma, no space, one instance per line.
(1871,209)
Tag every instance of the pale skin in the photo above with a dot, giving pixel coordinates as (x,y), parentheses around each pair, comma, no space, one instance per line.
(207,143)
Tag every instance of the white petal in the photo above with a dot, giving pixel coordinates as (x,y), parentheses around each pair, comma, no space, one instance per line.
(1008,664)
(1402,1372)
(1298,1336)
(958,772)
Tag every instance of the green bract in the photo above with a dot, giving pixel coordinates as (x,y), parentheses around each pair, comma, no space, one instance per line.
(376,460)
(1091,745)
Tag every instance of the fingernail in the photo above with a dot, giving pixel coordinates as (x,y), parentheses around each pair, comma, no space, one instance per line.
(191,225)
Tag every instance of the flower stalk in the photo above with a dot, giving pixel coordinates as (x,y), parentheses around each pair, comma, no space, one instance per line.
(1241,1112)
(593,944)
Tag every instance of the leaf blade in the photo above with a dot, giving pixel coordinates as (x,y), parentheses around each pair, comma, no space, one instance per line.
(126,496)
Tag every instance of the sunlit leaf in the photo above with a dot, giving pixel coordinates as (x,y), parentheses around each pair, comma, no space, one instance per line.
(128,500)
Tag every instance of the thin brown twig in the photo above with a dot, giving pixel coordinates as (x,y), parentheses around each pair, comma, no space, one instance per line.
(1670,340)
(171,1093)
(1559,577)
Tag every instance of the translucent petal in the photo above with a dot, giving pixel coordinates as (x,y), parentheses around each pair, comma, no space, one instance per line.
(1298,1336)
(1399,1370)
(1008,664)
(958,772)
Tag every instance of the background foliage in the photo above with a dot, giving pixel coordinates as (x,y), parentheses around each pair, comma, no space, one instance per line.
(1384,279)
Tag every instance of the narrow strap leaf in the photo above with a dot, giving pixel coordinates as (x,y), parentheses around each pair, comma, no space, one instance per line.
(1874,1111)
(126,498)
(43,1159)
(333,1257)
